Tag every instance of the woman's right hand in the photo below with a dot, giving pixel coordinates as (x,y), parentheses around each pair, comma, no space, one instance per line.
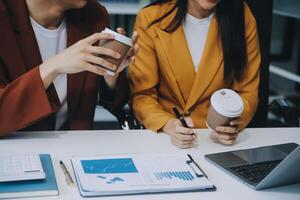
(81,56)
(180,136)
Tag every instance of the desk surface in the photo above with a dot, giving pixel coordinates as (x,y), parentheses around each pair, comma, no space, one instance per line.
(63,145)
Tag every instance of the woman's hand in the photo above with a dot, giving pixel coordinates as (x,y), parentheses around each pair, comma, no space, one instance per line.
(81,56)
(111,80)
(227,134)
(132,52)
(180,136)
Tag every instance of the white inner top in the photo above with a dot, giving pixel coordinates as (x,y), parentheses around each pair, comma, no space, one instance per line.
(227,103)
(196,33)
(52,42)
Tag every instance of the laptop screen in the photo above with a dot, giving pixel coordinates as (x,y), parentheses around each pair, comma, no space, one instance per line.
(263,154)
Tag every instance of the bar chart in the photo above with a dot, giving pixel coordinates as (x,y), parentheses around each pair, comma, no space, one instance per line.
(184,175)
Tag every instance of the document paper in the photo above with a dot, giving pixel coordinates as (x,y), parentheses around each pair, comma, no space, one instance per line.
(132,174)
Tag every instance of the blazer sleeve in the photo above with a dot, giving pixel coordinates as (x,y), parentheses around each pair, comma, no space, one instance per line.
(248,87)
(144,81)
(23,101)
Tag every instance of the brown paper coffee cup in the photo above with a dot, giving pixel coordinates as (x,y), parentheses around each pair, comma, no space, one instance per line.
(120,44)
(226,105)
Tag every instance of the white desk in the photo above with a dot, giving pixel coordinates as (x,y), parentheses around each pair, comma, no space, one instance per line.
(63,145)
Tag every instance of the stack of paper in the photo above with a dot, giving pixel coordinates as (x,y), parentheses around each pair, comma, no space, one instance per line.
(134,174)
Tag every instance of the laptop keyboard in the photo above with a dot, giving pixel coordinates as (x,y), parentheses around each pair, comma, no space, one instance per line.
(255,172)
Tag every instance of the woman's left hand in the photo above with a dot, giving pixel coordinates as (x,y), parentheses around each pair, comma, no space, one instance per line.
(111,80)
(227,134)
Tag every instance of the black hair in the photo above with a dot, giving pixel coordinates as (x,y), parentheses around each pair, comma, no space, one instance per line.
(231,26)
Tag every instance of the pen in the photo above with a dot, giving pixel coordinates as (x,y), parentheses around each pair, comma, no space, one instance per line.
(196,164)
(68,177)
(181,118)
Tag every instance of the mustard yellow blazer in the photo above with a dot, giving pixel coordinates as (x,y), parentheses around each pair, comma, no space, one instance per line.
(163,74)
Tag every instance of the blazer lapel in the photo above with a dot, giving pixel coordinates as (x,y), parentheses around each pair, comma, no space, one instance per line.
(74,81)
(9,50)
(25,37)
(209,65)
(181,69)
(26,47)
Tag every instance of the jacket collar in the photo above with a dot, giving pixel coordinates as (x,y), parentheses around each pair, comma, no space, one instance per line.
(189,85)
(180,71)
(18,15)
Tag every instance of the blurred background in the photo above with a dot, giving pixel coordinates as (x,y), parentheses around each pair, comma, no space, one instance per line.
(279,28)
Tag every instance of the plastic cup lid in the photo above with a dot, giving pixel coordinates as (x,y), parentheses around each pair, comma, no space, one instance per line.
(227,103)
(119,37)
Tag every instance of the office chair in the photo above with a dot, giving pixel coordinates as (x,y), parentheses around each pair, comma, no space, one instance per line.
(290,116)
(262,11)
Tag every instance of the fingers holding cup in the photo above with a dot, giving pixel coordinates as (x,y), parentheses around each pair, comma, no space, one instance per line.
(121,44)
(224,116)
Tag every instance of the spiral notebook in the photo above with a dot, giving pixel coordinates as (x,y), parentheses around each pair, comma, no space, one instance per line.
(137,174)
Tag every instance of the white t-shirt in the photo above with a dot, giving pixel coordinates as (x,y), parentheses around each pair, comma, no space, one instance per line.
(196,33)
(52,42)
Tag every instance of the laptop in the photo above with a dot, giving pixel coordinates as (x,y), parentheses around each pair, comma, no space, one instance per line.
(262,167)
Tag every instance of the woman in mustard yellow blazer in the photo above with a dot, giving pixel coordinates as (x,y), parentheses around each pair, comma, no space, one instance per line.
(164,74)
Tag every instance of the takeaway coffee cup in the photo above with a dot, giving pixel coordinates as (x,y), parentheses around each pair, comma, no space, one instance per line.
(120,44)
(226,105)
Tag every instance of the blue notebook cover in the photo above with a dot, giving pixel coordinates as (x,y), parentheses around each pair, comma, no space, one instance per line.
(44,187)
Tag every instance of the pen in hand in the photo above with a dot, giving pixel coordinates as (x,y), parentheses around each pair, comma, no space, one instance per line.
(181,118)
(68,177)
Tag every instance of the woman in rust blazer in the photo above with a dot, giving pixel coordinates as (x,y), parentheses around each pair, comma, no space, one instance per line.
(164,76)
(28,98)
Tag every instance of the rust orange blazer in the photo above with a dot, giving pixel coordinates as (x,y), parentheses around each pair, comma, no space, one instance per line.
(163,74)
(24,103)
